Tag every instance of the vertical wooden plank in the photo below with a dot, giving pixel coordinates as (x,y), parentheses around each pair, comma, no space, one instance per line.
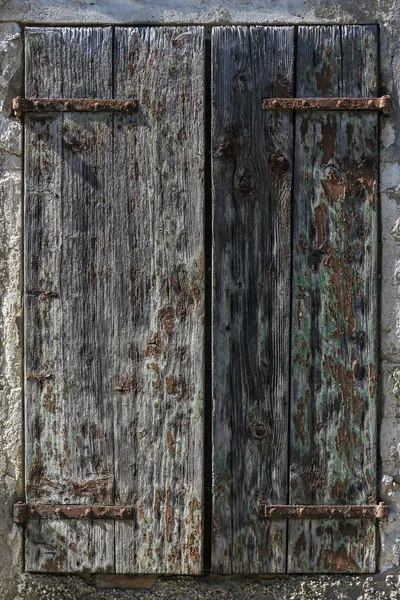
(159,298)
(252,178)
(57,546)
(44,62)
(333,392)
(87,58)
(69,418)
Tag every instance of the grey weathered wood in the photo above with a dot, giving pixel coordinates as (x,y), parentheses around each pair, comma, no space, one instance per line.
(64,62)
(333,391)
(158,258)
(44,62)
(252,178)
(78,546)
(68,193)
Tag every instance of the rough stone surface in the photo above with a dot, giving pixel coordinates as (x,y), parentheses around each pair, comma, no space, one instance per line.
(13,584)
(219,12)
(380,587)
(10,309)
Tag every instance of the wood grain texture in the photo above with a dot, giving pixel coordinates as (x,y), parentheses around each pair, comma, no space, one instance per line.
(333,391)
(252,177)
(69,547)
(68,62)
(68,399)
(345,546)
(159,261)
(114,313)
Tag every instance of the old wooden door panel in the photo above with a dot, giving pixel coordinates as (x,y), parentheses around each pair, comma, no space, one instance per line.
(68,193)
(252,176)
(333,391)
(159,255)
(97,250)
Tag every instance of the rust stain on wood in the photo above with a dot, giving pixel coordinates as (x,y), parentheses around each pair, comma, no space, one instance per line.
(320,225)
(167,316)
(40,377)
(124,385)
(298,419)
(170,444)
(168,516)
(154,346)
(339,560)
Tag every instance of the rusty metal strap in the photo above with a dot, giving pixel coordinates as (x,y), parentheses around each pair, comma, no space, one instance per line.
(384,104)
(23,512)
(284,511)
(21,105)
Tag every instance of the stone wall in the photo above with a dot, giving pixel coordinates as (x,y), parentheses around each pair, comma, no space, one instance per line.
(14,585)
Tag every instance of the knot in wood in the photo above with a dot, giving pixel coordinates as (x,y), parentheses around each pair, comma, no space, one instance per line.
(246,182)
(259,431)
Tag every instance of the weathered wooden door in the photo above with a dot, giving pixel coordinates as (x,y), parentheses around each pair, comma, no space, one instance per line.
(294,308)
(114,301)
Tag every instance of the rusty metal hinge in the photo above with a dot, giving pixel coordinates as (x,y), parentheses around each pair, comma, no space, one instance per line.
(286,511)
(21,105)
(383,104)
(23,512)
